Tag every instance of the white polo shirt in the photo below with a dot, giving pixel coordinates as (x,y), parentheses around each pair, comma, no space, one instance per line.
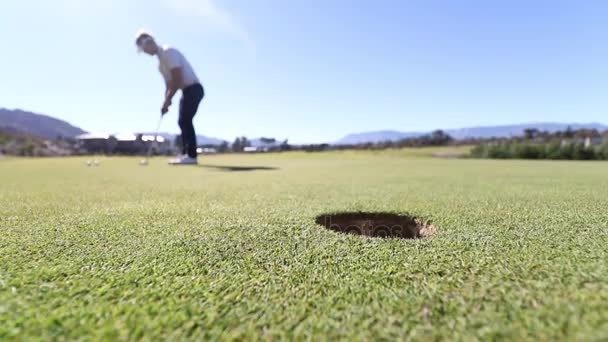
(170,58)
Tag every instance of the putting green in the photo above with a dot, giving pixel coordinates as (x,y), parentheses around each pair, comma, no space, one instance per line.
(230,249)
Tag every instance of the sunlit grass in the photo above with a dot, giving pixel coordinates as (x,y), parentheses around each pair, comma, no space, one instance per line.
(123,251)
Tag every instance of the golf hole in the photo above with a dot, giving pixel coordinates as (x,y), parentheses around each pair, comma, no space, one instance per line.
(378,225)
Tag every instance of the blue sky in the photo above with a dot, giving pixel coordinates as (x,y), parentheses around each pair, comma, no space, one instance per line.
(311,70)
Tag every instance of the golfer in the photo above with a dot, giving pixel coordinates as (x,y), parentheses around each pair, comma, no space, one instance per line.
(178,75)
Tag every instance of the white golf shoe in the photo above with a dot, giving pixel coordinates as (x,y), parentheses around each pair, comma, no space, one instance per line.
(185,160)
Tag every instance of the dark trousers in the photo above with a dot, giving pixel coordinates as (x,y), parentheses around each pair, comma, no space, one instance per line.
(188,105)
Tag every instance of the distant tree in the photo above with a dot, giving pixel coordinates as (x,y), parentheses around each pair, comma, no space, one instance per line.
(385,144)
(316,147)
(500,150)
(603,151)
(285,146)
(4,138)
(223,147)
(439,137)
(528,151)
(586,133)
(27,149)
(530,133)
(580,152)
(268,140)
(237,146)
(436,138)
(245,142)
(553,150)
(566,151)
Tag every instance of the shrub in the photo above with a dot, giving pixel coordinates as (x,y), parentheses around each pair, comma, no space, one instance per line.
(528,150)
(553,150)
(580,152)
(602,152)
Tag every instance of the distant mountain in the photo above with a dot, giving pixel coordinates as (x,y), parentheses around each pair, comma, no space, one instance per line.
(265,142)
(205,140)
(518,129)
(469,132)
(377,136)
(44,126)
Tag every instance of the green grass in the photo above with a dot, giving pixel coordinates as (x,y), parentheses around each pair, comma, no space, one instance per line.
(158,252)
(409,152)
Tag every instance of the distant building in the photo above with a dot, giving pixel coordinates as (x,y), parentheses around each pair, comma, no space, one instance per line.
(160,146)
(129,144)
(265,145)
(254,149)
(206,150)
(124,143)
(593,141)
(95,143)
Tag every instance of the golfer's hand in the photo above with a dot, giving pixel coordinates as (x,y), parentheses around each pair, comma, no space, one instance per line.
(165,108)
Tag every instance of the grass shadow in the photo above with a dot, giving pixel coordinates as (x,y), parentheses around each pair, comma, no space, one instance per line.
(239,168)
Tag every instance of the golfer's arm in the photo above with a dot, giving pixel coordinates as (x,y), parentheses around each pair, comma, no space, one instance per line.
(167,87)
(175,84)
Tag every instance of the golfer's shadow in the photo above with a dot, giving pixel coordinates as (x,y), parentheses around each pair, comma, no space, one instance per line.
(239,168)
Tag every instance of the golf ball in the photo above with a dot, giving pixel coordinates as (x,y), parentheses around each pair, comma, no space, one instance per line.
(88,163)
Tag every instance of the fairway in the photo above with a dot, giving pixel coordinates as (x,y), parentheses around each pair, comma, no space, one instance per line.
(230,249)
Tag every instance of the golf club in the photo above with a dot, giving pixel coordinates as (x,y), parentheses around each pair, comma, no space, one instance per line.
(145,161)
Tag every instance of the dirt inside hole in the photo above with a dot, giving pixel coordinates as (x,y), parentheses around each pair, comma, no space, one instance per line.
(380,225)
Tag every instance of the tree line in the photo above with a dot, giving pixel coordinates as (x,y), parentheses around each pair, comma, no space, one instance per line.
(583,144)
